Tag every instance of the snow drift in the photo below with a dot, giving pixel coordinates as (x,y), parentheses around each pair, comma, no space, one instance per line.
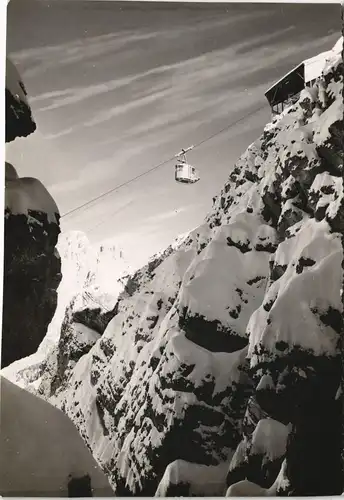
(40,448)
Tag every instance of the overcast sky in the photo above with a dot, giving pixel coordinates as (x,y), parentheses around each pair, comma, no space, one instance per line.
(116,88)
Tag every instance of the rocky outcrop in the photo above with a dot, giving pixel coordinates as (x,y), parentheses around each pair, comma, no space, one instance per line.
(31,266)
(19,120)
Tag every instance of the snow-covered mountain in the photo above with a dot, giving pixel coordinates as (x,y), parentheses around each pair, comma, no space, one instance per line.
(92,278)
(221,366)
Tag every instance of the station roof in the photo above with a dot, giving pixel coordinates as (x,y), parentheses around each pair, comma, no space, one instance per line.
(290,84)
(294,81)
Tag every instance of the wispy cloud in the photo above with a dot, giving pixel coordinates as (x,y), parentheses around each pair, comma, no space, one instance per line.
(61,133)
(90,48)
(217,75)
(210,83)
(77,94)
(74,95)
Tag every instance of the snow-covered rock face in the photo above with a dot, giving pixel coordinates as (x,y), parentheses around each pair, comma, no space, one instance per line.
(144,367)
(294,336)
(183,478)
(31,265)
(19,120)
(223,352)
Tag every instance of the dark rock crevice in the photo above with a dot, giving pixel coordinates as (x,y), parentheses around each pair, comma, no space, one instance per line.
(210,334)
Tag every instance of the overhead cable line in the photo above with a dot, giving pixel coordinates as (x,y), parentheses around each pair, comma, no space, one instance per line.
(159,165)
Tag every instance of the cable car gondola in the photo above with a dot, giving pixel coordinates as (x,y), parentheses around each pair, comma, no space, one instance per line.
(185,173)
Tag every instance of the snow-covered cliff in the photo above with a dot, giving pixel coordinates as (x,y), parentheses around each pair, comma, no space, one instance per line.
(221,366)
